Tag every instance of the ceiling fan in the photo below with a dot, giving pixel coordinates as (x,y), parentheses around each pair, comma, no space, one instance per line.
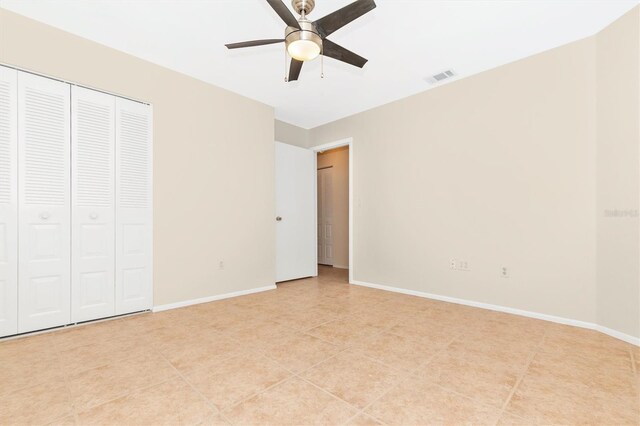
(305,40)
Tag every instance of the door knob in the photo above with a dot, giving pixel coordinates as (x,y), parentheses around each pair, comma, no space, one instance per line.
(278,219)
(93,216)
(45,215)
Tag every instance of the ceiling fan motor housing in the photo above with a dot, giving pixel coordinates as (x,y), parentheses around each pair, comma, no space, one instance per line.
(305,6)
(307,32)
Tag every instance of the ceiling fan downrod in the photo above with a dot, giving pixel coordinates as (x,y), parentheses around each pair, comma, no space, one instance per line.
(303,7)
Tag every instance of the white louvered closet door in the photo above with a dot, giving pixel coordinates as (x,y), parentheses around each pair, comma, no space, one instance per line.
(44,202)
(93,204)
(8,202)
(134,227)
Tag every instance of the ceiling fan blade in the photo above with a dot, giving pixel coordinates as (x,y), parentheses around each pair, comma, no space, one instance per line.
(341,17)
(294,69)
(338,52)
(253,43)
(283,11)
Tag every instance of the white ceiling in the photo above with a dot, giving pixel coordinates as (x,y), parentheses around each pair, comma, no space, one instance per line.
(404,40)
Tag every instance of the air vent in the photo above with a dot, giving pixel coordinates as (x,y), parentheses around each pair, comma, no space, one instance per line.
(444,75)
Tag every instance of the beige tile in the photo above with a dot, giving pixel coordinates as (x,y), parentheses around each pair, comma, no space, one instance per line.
(255,333)
(98,353)
(196,351)
(380,318)
(305,319)
(343,306)
(492,323)
(80,358)
(484,376)
(170,403)
(562,339)
(545,397)
(80,335)
(429,332)
(344,332)
(609,375)
(299,351)
(39,404)
(28,366)
(353,377)
(635,359)
(215,420)
(97,386)
(142,321)
(398,351)
(510,420)
(161,336)
(363,420)
(417,402)
(41,345)
(146,370)
(103,384)
(294,402)
(512,346)
(65,421)
(236,378)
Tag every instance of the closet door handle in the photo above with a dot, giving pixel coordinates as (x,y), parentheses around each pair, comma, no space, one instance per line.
(93,216)
(44,215)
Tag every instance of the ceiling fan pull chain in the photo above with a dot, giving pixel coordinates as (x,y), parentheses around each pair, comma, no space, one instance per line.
(322,63)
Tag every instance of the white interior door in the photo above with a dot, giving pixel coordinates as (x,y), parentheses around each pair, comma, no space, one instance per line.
(93,208)
(134,215)
(44,202)
(8,202)
(325,216)
(295,209)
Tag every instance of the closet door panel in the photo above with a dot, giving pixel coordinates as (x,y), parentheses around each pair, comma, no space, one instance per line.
(93,206)
(8,202)
(44,202)
(134,228)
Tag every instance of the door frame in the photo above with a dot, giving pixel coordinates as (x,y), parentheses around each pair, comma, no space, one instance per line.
(325,147)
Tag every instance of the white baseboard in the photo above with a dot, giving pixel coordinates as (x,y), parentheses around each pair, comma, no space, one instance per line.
(340,266)
(567,321)
(185,303)
(617,334)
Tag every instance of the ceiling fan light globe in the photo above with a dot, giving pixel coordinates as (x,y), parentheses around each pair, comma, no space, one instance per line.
(303,50)
(304,43)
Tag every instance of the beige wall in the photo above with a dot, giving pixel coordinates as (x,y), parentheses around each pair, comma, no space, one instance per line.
(618,98)
(290,134)
(508,168)
(213,174)
(496,170)
(338,160)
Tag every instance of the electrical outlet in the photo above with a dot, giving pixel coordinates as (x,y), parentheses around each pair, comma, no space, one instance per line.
(459,265)
(504,272)
(221,265)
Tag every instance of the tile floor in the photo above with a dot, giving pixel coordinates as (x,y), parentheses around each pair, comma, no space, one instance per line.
(319,351)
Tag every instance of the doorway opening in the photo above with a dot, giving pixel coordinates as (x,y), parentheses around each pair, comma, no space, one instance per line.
(333,207)
(334,170)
